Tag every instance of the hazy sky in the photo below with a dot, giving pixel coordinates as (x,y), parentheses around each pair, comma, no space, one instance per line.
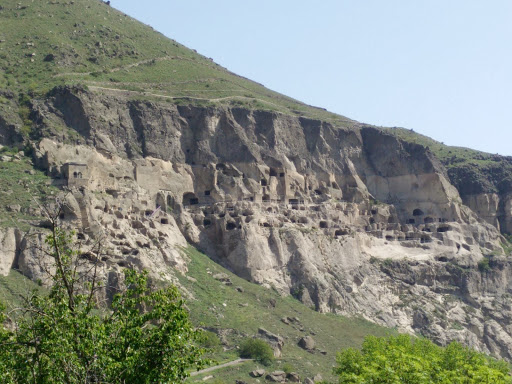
(440,67)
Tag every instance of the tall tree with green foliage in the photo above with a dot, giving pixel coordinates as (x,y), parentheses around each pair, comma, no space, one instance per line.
(408,360)
(144,336)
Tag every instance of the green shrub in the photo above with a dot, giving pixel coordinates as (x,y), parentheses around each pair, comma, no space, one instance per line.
(483,265)
(404,359)
(258,350)
(63,337)
(210,341)
(288,368)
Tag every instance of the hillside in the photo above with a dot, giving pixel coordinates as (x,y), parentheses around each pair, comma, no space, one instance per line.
(235,309)
(154,149)
(45,44)
(109,51)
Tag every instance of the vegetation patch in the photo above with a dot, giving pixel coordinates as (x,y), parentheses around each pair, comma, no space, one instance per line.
(238,310)
(21,185)
(403,359)
(258,350)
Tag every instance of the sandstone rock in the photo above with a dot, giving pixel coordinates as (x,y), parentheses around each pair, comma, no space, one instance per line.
(312,221)
(275,341)
(257,373)
(276,377)
(7,250)
(293,377)
(223,277)
(309,381)
(33,260)
(307,343)
(16,208)
(317,378)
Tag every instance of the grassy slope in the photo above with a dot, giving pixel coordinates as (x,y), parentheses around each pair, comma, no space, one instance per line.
(96,45)
(19,187)
(14,286)
(332,332)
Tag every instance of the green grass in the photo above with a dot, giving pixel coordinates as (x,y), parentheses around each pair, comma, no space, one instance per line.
(19,187)
(13,287)
(332,332)
(96,45)
(246,311)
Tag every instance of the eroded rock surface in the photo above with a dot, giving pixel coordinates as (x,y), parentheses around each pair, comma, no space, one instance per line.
(349,220)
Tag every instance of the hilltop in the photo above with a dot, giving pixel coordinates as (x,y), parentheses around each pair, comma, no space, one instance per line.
(49,43)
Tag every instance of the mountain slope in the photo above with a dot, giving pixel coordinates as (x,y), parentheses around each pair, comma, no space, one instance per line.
(44,44)
(155,147)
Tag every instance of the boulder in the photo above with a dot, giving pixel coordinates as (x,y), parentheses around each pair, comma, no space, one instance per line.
(223,278)
(257,373)
(7,250)
(307,343)
(276,377)
(275,341)
(293,377)
(14,208)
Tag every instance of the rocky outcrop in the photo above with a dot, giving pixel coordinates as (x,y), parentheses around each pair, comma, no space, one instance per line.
(349,220)
(10,120)
(307,343)
(8,247)
(275,341)
(485,187)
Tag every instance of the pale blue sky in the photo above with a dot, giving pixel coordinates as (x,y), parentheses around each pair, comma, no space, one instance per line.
(440,67)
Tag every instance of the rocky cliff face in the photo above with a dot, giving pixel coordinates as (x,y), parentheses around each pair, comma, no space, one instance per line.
(485,188)
(350,221)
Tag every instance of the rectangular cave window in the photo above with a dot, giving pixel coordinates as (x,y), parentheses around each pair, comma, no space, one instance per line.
(412,221)
(264,182)
(207,193)
(281,174)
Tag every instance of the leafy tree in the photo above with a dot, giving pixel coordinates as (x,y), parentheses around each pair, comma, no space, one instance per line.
(145,336)
(258,350)
(403,359)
